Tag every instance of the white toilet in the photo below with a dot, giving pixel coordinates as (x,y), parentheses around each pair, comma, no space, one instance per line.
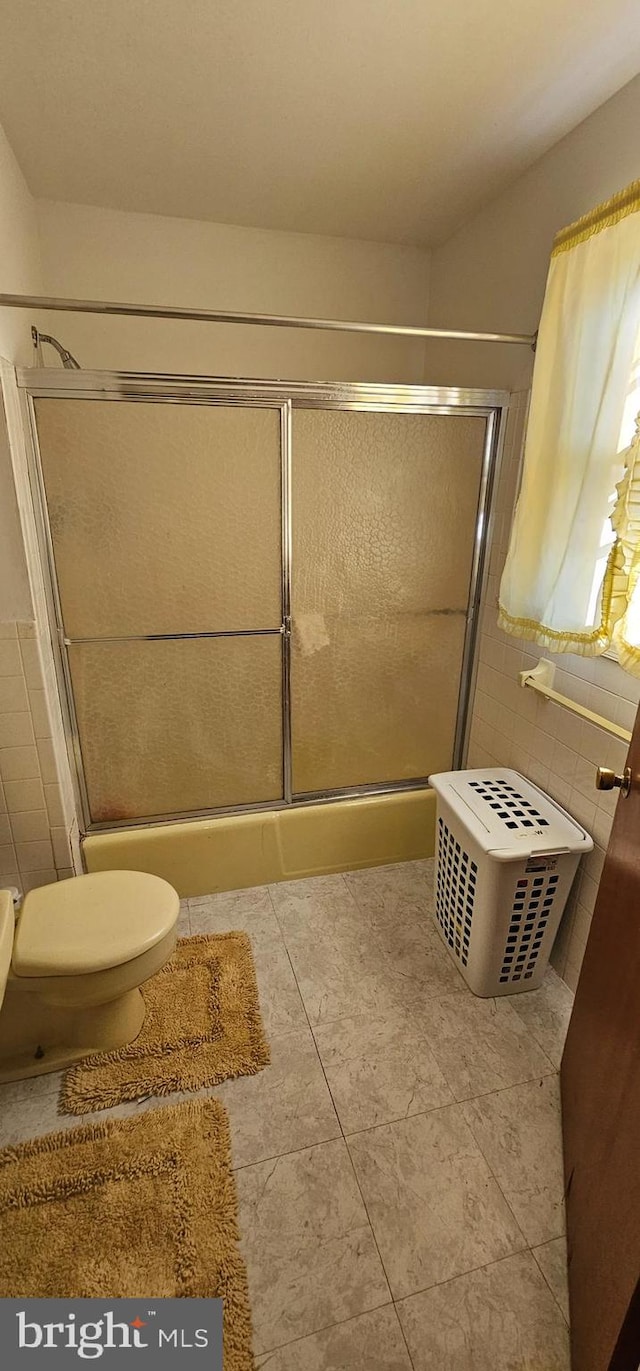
(72,964)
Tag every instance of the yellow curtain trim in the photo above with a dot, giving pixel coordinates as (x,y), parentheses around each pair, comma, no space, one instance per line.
(585,644)
(626,523)
(628,655)
(626,202)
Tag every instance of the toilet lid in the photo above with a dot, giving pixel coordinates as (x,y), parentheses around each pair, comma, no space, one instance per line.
(90,923)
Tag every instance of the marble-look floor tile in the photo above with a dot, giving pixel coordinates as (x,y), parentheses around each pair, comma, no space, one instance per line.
(29,1116)
(34,1087)
(412,956)
(520,1133)
(248,897)
(370,1342)
(546,1013)
(379,1070)
(326,941)
(184,924)
(552,1260)
(280,1001)
(33,1116)
(500,1318)
(323,901)
(285,1107)
(320,906)
(347,961)
(333,985)
(383,892)
(310,1253)
(396,907)
(250,911)
(481,1044)
(434,1206)
(426,866)
(368,977)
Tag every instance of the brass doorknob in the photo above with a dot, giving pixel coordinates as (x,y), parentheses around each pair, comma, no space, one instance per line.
(606,779)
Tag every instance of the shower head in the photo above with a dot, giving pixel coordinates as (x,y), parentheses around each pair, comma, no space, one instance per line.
(67,359)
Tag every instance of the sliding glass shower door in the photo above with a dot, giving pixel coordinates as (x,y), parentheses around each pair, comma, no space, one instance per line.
(262,593)
(165,525)
(384,517)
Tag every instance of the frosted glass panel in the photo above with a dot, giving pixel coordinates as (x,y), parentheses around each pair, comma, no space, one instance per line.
(384,512)
(167,727)
(165,517)
(379,704)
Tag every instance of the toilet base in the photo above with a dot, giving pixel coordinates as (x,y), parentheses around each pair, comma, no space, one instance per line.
(36,1038)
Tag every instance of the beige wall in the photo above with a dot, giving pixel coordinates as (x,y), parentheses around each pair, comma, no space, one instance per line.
(491,274)
(36,809)
(19,272)
(108,254)
(19,253)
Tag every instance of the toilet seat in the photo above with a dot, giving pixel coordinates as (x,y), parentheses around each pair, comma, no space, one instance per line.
(92,923)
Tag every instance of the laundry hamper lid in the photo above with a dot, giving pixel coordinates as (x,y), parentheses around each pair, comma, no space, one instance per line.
(508,815)
(89,923)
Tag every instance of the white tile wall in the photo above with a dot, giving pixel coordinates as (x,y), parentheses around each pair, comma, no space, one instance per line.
(35,838)
(554,748)
(39,841)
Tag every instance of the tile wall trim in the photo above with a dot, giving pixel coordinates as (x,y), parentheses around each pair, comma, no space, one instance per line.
(33,850)
(39,837)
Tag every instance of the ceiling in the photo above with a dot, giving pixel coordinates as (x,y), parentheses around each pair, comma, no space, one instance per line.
(390,120)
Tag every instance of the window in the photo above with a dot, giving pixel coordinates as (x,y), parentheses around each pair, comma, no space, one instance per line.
(630,415)
(572,576)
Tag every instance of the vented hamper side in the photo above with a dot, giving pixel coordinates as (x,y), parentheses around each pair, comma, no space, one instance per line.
(498,912)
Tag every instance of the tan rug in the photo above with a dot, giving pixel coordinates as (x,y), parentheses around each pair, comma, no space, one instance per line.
(202,1026)
(136,1207)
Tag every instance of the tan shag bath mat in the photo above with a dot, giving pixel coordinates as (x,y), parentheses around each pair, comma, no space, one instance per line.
(202,1026)
(136,1207)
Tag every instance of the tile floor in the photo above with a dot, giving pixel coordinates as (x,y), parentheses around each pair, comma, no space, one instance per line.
(399,1162)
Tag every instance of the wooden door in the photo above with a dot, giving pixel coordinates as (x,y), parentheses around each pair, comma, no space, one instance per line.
(600,1079)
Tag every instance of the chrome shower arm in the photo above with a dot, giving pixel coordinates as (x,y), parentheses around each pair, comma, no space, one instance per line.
(66,357)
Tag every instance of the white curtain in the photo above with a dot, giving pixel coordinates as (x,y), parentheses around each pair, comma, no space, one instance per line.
(626,525)
(557,588)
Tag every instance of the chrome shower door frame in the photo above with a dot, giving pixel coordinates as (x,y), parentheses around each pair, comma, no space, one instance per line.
(285,397)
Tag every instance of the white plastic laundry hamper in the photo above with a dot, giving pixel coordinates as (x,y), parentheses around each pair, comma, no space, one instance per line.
(506,855)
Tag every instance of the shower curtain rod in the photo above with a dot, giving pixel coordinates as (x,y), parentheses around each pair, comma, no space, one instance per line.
(225,316)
